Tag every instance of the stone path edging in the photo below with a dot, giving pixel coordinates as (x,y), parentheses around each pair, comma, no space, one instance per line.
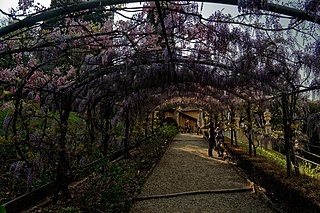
(193,193)
(256,189)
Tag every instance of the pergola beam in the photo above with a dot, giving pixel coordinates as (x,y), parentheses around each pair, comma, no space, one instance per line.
(276,8)
(62,11)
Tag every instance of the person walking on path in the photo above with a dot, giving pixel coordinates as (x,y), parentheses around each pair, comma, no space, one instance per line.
(220,139)
(198,127)
(212,139)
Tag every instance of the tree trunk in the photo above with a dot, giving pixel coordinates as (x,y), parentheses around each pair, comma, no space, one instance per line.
(126,139)
(106,127)
(232,125)
(294,161)
(216,119)
(63,164)
(235,138)
(286,133)
(90,125)
(13,124)
(106,136)
(231,136)
(146,126)
(255,146)
(249,128)
(152,123)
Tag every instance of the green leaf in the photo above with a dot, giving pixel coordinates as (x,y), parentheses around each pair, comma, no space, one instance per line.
(5,92)
(2,209)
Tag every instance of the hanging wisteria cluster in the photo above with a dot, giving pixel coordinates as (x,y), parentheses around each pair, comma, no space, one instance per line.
(317,49)
(23,5)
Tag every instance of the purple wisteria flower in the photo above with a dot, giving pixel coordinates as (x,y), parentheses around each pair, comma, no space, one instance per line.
(83,161)
(15,168)
(38,164)
(6,122)
(312,6)
(30,175)
(25,4)
(317,49)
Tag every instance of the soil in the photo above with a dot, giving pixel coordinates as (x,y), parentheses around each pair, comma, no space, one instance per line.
(290,194)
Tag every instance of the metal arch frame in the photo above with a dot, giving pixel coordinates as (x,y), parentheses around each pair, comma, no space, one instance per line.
(55,12)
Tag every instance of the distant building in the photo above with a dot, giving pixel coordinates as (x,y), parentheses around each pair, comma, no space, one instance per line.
(187,118)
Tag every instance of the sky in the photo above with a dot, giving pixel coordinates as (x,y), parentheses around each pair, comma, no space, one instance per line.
(6,5)
(208,9)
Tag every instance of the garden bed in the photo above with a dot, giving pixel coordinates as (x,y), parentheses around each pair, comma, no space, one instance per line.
(112,186)
(294,194)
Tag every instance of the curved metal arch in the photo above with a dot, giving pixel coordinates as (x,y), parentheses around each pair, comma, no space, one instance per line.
(200,104)
(206,99)
(181,87)
(55,12)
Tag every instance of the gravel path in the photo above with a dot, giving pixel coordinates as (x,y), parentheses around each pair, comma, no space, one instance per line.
(186,168)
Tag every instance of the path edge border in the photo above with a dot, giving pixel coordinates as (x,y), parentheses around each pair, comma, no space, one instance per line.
(258,190)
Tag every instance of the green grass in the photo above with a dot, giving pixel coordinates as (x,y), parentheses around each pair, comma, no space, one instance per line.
(280,159)
(275,156)
(310,170)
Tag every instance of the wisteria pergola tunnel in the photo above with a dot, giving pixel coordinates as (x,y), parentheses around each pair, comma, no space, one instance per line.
(112,62)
